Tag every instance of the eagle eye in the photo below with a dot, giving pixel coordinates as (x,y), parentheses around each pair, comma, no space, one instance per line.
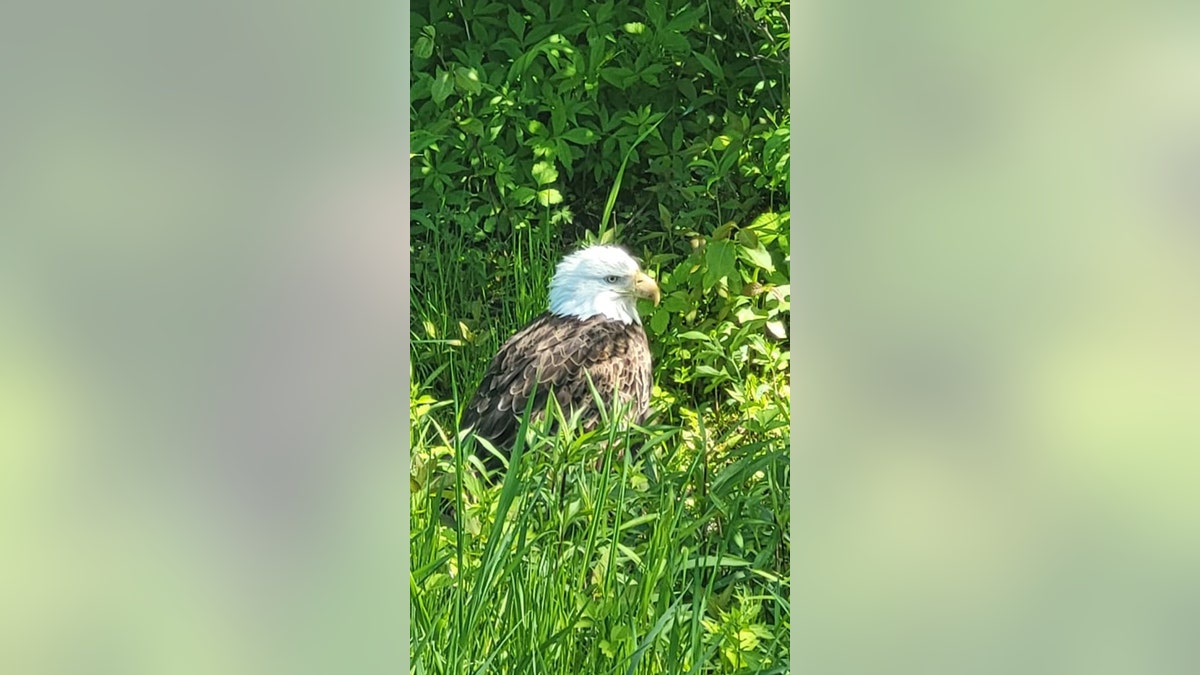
(612,278)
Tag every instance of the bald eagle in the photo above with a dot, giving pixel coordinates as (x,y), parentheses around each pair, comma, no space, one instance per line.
(592,328)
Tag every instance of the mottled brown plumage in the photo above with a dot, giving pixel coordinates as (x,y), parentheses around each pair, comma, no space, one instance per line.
(555,352)
(591,331)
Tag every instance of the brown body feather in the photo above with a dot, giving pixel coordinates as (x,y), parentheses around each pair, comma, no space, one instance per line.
(555,352)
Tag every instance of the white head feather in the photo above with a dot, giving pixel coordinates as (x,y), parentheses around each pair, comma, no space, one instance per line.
(600,280)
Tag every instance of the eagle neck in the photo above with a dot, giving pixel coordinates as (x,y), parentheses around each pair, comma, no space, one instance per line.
(626,313)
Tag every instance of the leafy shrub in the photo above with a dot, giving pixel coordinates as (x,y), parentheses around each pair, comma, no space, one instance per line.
(526,117)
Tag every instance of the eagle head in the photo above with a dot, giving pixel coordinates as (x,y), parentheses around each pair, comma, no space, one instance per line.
(600,280)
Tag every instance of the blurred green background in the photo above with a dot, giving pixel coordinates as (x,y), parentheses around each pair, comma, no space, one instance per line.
(996,388)
(202,372)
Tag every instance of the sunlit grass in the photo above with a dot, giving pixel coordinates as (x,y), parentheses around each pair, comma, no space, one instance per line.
(618,550)
(649,550)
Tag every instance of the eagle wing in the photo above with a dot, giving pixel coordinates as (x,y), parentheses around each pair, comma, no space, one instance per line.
(555,352)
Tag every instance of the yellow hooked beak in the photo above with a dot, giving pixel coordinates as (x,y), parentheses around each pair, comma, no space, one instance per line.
(644,287)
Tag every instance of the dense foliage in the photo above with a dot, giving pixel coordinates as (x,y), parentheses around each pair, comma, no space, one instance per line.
(664,127)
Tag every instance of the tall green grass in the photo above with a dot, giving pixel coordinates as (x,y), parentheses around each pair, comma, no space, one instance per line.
(621,550)
(464,305)
(618,550)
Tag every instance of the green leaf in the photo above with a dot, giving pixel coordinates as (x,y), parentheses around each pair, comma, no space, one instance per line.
(472,126)
(543,148)
(422,139)
(710,65)
(686,20)
(510,46)
(746,314)
(449,166)
(549,196)
(544,173)
(757,256)
(441,87)
(675,44)
(581,136)
(562,152)
(423,47)
(658,322)
(535,10)
(467,79)
(767,223)
(618,76)
(664,217)
(523,195)
(656,11)
(516,23)
(687,89)
(675,302)
(719,257)
(604,11)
